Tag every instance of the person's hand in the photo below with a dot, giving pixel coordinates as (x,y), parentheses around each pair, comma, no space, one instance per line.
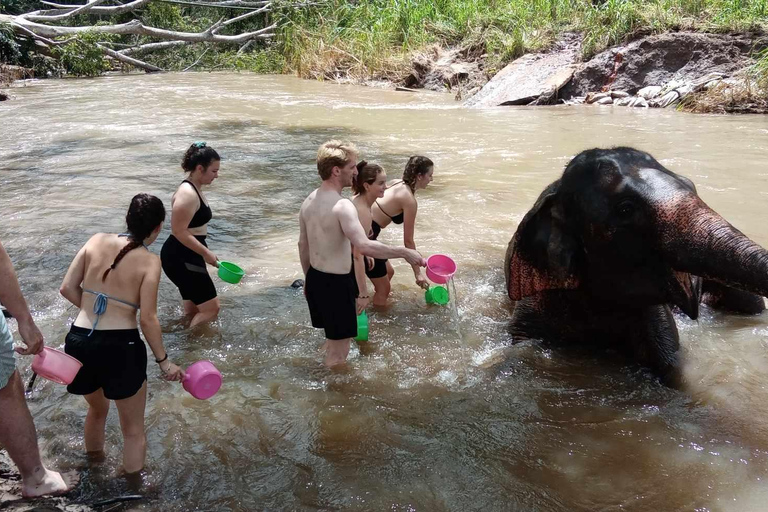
(211,259)
(413,257)
(31,336)
(422,281)
(361,303)
(369,262)
(171,372)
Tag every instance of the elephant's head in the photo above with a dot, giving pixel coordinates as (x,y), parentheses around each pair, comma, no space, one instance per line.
(626,230)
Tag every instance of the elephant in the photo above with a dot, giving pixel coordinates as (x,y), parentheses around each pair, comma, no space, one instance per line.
(612,246)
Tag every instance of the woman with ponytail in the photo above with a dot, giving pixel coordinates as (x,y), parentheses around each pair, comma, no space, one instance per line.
(185,252)
(111,277)
(368,186)
(399,206)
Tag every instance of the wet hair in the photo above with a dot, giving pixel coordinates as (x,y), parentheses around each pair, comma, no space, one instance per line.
(144,215)
(199,154)
(366,173)
(416,166)
(332,154)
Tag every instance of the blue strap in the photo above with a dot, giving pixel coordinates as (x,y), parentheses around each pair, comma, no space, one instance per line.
(99,307)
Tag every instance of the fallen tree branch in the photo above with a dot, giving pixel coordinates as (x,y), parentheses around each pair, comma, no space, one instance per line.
(129,60)
(136,28)
(240,18)
(151,47)
(44,39)
(195,63)
(100,10)
(58,17)
(207,4)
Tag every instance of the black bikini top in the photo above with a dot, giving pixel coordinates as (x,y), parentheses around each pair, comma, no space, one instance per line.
(203,214)
(397,219)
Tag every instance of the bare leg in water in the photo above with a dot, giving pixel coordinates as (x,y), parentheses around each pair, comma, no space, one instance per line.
(18,435)
(336,352)
(201,313)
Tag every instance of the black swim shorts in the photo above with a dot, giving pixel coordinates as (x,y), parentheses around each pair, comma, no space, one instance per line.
(114,360)
(331,299)
(187,270)
(379,269)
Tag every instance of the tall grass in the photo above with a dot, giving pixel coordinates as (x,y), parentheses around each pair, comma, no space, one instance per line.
(375,37)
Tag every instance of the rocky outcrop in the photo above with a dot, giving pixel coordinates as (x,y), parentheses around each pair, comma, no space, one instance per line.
(656,71)
(658,59)
(535,78)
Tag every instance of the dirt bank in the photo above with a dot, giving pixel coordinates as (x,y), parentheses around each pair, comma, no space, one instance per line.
(692,70)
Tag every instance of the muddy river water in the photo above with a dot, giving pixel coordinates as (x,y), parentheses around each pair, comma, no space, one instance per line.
(435,412)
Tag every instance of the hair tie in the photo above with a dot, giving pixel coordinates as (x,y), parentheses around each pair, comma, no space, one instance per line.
(199,145)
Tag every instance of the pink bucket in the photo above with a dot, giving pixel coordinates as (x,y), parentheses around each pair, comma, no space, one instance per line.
(440,268)
(56,366)
(202,380)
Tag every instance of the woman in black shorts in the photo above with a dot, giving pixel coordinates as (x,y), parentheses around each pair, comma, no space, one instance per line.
(399,206)
(111,277)
(185,252)
(368,186)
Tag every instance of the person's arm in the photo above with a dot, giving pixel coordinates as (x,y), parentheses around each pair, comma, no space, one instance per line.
(409,228)
(350,225)
(150,325)
(184,207)
(303,245)
(13,300)
(71,287)
(362,285)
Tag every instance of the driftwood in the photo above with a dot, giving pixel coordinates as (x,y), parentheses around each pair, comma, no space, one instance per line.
(47,27)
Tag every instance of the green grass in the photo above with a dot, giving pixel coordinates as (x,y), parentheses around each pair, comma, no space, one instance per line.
(375,37)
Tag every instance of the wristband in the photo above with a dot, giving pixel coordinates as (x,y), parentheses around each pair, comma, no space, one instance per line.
(363,297)
(158,361)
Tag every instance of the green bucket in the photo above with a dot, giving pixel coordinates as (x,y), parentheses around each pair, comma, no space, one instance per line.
(230,272)
(362,327)
(436,295)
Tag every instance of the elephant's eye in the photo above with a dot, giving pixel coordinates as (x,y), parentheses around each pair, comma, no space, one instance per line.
(625,210)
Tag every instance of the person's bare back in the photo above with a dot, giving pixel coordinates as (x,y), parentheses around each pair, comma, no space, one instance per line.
(329,248)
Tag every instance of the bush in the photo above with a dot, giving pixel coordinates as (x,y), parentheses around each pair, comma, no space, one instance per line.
(10,51)
(82,57)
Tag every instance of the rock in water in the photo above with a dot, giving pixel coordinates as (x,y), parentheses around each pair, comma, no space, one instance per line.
(299,283)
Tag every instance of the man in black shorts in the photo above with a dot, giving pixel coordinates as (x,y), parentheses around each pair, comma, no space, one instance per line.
(329,226)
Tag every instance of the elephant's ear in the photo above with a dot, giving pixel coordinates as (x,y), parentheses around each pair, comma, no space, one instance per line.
(543,254)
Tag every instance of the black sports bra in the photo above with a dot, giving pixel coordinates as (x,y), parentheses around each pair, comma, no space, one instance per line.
(203,214)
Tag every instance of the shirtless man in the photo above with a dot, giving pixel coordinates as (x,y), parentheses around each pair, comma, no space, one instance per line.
(329,226)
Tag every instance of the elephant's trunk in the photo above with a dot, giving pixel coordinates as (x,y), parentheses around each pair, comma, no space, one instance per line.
(698,241)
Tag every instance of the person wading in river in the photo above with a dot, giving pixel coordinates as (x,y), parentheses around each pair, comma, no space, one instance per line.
(368,186)
(110,279)
(328,223)
(185,253)
(399,206)
(17,431)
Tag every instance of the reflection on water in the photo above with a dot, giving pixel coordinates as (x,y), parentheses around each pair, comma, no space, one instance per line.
(424,418)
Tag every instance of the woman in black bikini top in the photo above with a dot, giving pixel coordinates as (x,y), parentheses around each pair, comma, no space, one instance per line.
(399,206)
(185,253)
(368,186)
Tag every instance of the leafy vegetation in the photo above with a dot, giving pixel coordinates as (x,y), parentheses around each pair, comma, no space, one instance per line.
(81,56)
(376,38)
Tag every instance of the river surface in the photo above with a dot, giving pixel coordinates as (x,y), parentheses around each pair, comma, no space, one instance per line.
(434,413)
